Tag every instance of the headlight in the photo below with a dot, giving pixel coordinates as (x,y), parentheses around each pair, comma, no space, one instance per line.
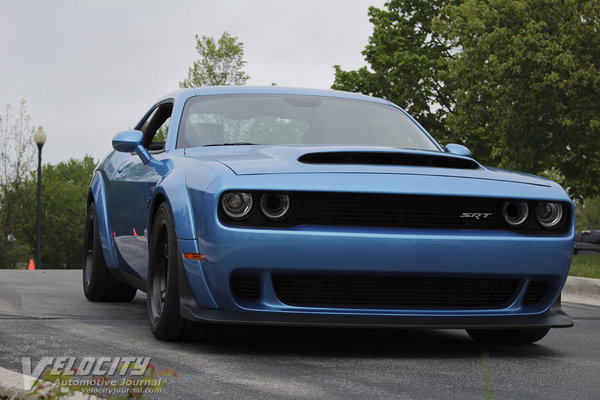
(237,205)
(515,213)
(549,214)
(275,206)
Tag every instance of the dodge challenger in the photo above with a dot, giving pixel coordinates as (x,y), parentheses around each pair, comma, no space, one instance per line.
(269,205)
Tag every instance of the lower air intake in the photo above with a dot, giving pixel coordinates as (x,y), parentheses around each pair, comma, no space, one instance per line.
(400,292)
(535,292)
(245,287)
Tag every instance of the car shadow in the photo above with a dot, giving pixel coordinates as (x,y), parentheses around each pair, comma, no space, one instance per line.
(352,342)
(361,342)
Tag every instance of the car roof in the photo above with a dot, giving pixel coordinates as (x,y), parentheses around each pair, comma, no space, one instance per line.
(239,89)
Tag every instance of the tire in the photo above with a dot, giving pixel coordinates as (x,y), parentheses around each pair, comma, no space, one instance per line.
(164,264)
(98,283)
(508,336)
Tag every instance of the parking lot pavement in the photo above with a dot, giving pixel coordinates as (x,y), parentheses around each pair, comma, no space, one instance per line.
(44,314)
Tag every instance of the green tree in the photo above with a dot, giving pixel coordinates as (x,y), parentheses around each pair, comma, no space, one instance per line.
(407,59)
(517,81)
(221,63)
(587,214)
(527,86)
(64,195)
(17,152)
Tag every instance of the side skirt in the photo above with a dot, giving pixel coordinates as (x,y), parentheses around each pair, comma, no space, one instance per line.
(128,279)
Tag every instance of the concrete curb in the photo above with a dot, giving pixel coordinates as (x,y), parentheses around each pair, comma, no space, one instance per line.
(582,291)
(12,384)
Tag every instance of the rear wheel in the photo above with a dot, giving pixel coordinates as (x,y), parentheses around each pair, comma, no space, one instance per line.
(98,283)
(164,265)
(508,336)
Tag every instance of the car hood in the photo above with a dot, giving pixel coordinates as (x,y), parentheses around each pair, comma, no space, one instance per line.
(295,159)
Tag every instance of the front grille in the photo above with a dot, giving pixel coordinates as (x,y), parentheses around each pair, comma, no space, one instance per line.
(535,292)
(381,210)
(384,210)
(245,287)
(401,292)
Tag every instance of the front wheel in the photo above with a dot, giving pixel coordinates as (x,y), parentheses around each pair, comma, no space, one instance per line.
(164,264)
(508,336)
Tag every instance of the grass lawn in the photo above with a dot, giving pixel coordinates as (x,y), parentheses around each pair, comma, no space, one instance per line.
(586,265)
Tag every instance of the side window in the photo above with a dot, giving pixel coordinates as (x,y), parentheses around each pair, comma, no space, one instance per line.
(160,137)
(146,123)
(156,127)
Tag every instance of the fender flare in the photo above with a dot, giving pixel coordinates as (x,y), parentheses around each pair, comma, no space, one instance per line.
(181,204)
(97,194)
(193,286)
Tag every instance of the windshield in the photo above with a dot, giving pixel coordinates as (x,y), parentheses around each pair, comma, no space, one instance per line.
(296,119)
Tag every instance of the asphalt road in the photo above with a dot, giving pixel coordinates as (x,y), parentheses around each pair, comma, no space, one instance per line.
(44,314)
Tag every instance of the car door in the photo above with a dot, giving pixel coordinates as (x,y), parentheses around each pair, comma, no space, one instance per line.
(131,188)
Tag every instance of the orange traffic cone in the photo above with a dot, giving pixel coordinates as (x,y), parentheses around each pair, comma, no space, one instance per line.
(31,265)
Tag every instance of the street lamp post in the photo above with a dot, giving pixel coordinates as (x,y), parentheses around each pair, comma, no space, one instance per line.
(39,137)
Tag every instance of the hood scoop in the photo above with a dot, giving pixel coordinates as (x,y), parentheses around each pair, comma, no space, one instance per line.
(388,159)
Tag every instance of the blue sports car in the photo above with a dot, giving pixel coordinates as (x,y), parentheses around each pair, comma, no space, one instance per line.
(267,205)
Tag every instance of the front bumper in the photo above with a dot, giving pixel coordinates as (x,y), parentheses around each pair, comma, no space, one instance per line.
(350,251)
(207,295)
(189,309)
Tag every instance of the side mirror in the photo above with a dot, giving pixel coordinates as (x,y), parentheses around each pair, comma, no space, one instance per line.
(458,149)
(127,141)
(131,142)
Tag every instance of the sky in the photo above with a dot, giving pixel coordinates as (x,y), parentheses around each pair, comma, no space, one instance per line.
(89,69)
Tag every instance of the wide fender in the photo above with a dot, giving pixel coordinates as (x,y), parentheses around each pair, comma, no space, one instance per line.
(98,192)
(192,283)
(172,188)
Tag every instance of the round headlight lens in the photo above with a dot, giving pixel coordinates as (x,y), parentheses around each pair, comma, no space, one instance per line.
(237,205)
(515,213)
(275,206)
(549,214)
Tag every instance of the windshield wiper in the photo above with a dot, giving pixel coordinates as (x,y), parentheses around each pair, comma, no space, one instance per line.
(229,144)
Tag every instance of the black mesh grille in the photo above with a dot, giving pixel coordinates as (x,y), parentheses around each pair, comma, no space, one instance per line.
(245,287)
(535,292)
(403,292)
(395,210)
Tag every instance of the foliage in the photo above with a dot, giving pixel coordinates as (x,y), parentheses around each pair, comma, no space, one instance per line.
(17,152)
(221,62)
(64,194)
(587,214)
(64,191)
(56,386)
(517,81)
(528,86)
(406,58)
(586,266)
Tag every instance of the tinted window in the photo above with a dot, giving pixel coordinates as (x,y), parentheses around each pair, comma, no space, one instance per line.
(295,119)
(156,127)
(160,137)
